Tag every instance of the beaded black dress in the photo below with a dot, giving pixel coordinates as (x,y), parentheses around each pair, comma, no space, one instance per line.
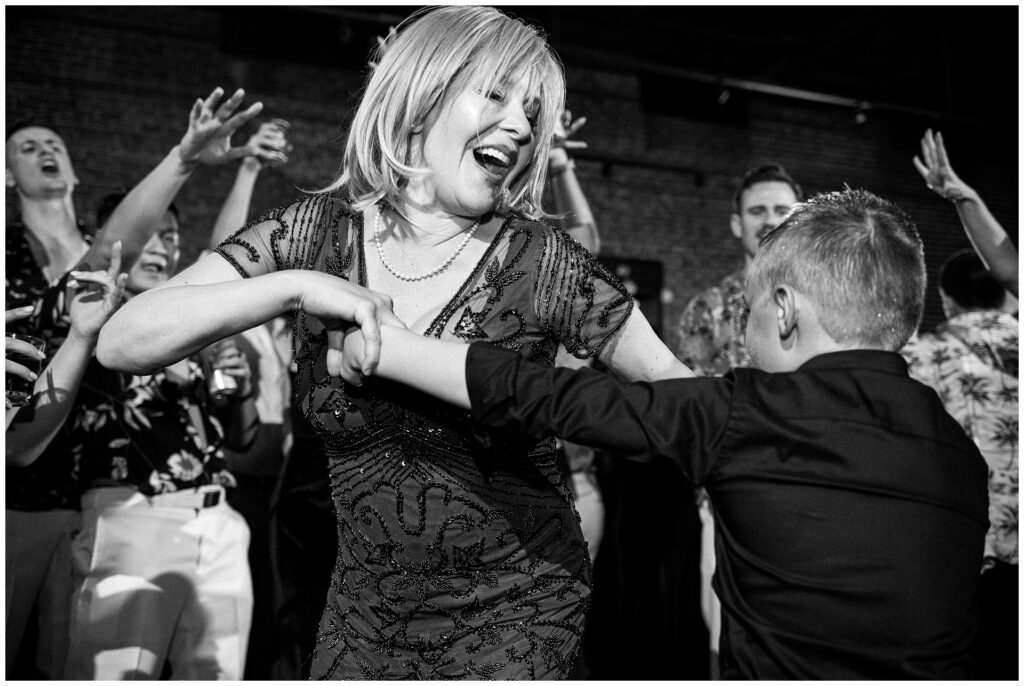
(459,553)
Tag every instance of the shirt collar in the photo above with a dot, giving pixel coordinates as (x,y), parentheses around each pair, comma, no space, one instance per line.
(877,360)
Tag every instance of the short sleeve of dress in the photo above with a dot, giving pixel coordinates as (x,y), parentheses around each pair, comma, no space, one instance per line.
(579,301)
(288,237)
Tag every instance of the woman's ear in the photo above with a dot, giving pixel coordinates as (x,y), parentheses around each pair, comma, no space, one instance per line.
(786,311)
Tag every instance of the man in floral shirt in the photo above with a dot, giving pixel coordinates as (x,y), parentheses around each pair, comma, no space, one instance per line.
(712,330)
(712,327)
(971,361)
(43,242)
(154,513)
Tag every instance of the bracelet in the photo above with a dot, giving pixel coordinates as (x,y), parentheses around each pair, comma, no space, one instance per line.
(554,172)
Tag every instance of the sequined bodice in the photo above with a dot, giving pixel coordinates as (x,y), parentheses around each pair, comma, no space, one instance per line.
(455,560)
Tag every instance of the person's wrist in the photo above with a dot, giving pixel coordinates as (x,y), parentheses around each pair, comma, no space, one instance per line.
(83,337)
(188,163)
(252,164)
(557,157)
(966,194)
(555,171)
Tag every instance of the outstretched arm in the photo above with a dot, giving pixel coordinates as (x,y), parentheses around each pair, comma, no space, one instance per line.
(207,141)
(96,296)
(988,237)
(677,419)
(210,301)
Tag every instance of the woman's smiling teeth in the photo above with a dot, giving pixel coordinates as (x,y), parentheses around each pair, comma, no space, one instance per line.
(494,160)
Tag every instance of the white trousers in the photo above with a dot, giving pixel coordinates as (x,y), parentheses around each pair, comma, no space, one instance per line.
(710,606)
(160,578)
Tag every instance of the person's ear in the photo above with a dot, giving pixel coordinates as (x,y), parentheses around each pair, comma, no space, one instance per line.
(10,179)
(786,311)
(736,225)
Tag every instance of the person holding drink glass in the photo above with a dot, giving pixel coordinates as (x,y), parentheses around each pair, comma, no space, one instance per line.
(25,355)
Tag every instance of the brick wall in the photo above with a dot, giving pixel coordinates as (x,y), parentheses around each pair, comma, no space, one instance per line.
(118,82)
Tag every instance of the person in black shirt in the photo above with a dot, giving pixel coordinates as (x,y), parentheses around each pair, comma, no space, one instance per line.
(852,508)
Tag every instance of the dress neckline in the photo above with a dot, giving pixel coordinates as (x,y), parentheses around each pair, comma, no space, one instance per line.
(436,326)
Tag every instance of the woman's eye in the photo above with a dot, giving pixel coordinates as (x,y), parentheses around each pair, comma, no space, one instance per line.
(496,95)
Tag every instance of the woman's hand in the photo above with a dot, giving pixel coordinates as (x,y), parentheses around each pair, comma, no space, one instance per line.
(338,304)
(95,296)
(936,171)
(208,139)
(14,346)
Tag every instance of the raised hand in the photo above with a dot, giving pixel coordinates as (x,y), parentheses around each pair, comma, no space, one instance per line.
(565,128)
(382,44)
(208,139)
(269,145)
(95,296)
(936,170)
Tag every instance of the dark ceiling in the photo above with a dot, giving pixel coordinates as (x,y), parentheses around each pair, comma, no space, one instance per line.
(950,63)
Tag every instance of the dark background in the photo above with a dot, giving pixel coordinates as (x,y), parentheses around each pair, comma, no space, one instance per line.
(680,102)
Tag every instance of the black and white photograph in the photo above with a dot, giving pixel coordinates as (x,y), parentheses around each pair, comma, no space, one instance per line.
(543,342)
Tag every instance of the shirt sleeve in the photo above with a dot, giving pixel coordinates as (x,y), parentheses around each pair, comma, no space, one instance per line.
(287,237)
(680,419)
(576,299)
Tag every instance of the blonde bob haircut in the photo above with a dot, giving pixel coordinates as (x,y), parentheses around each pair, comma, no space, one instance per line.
(430,59)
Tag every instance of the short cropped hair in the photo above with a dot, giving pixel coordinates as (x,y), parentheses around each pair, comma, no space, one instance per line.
(766,172)
(858,257)
(30,124)
(965,279)
(110,202)
(434,55)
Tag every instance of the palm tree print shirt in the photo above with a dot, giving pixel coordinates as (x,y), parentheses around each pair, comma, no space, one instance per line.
(971,361)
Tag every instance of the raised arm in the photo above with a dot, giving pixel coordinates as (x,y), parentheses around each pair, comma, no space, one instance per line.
(96,296)
(988,237)
(570,203)
(207,141)
(268,146)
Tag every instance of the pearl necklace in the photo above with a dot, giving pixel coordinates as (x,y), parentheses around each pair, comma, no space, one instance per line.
(418,277)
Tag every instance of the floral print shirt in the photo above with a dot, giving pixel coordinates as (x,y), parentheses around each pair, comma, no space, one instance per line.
(26,284)
(971,361)
(712,330)
(143,431)
(51,481)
